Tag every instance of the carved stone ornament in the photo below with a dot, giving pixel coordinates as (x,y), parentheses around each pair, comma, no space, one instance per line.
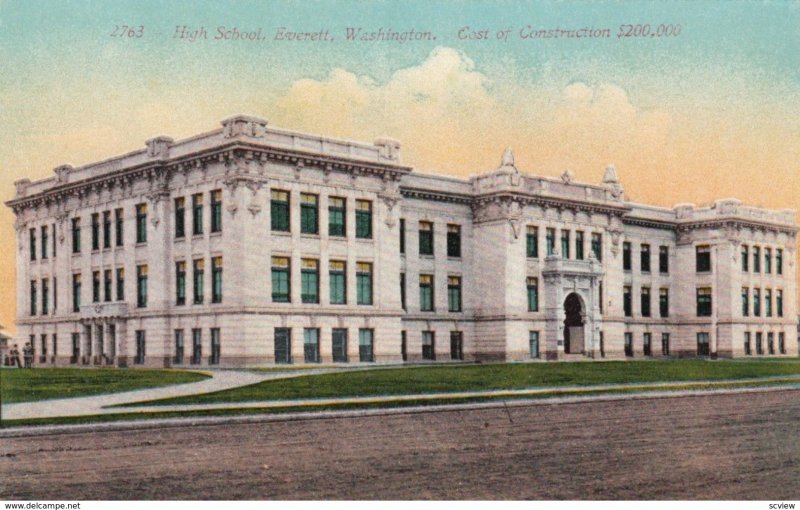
(244,125)
(389,148)
(62,173)
(158,147)
(232,208)
(254,209)
(567,176)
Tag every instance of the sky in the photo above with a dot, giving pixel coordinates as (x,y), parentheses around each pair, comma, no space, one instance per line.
(711,112)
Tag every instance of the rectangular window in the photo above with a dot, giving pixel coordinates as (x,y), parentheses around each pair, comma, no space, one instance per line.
(565,244)
(216,280)
(771,343)
(703,259)
(782,343)
(120,226)
(457,345)
(745,302)
(663,259)
(76,235)
(76,292)
(140,348)
(454,241)
(779,261)
(550,241)
(747,349)
(44,241)
(281,286)
(767,260)
(197,346)
(646,343)
(759,343)
(702,344)
(532,242)
(141,223)
(141,286)
(403,346)
(339,344)
(120,284)
(663,302)
(597,246)
(779,302)
(425,238)
(626,256)
(95,231)
(309,280)
(197,214)
(337,274)
(76,348)
(665,344)
(629,345)
(533,294)
(283,345)
(216,211)
(579,245)
(768,302)
(454,293)
(309,213)
(428,345)
(645,301)
(426,292)
(365,345)
(279,210)
(402,235)
(106,229)
(756,259)
(363,219)
(180,217)
(704,302)
(108,285)
(403,291)
(55,294)
(180,283)
(198,273)
(45,296)
(337,214)
(178,359)
(32,243)
(757,302)
(96,287)
(311,345)
(533,343)
(627,301)
(745,256)
(363,283)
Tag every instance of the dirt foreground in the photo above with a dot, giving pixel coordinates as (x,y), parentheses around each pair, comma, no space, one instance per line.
(710,447)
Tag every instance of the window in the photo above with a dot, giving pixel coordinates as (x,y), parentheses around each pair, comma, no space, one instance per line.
(180,217)
(198,273)
(106,229)
(646,342)
(756,259)
(771,343)
(550,241)
(745,301)
(95,286)
(597,246)
(76,235)
(779,261)
(120,284)
(768,302)
(665,344)
(457,345)
(141,223)
(781,343)
(428,345)
(45,296)
(197,346)
(627,301)
(645,301)
(629,345)
(454,241)
(403,291)
(757,302)
(533,294)
(745,256)
(32,243)
(402,235)
(425,238)
(338,282)
(76,292)
(663,302)
(532,242)
(120,226)
(363,219)
(311,345)
(579,245)
(95,231)
(365,345)
(533,342)
(309,213)
(454,293)
(309,281)
(178,359)
(55,294)
(426,293)
(704,302)
(216,211)
(108,285)
(180,283)
(703,259)
(759,343)
(140,348)
(216,280)
(767,260)
(403,346)
(779,302)
(197,214)
(565,244)
(626,256)
(44,241)
(339,344)
(747,350)
(55,345)
(279,210)
(281,287)
(663,259)
(283,345)
(337,214)
(702,344)
(141,286)
(363,283)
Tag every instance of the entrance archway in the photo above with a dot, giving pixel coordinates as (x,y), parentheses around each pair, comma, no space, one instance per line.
(573,324)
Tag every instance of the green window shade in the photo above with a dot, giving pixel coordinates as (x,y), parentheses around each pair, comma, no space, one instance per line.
(336,217)
(280,280)
(309,214)
(279,210)
(309,281)
(364,283)
(363,219)
(338,283)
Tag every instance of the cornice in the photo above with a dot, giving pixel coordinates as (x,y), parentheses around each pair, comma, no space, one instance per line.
(437,196)
(736,223)
(641,222)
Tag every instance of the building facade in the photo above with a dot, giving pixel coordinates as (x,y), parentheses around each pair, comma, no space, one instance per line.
(252,245)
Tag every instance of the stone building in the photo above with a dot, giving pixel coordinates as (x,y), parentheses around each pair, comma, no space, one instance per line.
(253,245)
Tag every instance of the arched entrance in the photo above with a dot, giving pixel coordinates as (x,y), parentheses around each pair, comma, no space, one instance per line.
(573,324)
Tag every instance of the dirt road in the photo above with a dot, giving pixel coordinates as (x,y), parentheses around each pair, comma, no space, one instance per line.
(710,447)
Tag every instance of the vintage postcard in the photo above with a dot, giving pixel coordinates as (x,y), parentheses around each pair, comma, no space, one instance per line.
(399,250)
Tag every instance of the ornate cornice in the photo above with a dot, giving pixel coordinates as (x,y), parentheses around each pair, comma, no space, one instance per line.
(436,196)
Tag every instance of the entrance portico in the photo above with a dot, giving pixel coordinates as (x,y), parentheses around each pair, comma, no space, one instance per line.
(103,329)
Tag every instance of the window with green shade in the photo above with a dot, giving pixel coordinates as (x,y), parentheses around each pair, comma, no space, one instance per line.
(565,244)
(454,293)
(141,223)
(402,235)
(663,302)
(779,261)
(532,242)
(76,292)
(426,293)
(108,285)
(309,281)
(627,301)
(216,280)
(533,294)
(779,303)
(768,303)
(180,217)
(645,301)
(33,297)
(32,243)
(533,339)
(579,245)
(338,282)
(76,235)
(180,283)
(767,260)
(199,271)
(141,286)
(453,241)
(216,211)
(644,258)
(597,246)
(96,287)
(281,288)
(279,210)
(363,219)
(337,214)
(107,229)
(364,283)
(704,302)
(626,256)
(120,226)
(197,214)
(425,238)
(745,301)
(309,213)
(365,345)
(757,302)
(550,241)
(311,345)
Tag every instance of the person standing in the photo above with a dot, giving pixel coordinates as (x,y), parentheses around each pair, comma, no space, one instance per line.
(28,355)
(14,357)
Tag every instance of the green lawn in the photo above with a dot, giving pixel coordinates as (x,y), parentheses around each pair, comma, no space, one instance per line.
(49,383)
(454,378)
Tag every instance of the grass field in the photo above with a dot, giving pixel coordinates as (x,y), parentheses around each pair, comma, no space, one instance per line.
(49,383)
(435,379)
